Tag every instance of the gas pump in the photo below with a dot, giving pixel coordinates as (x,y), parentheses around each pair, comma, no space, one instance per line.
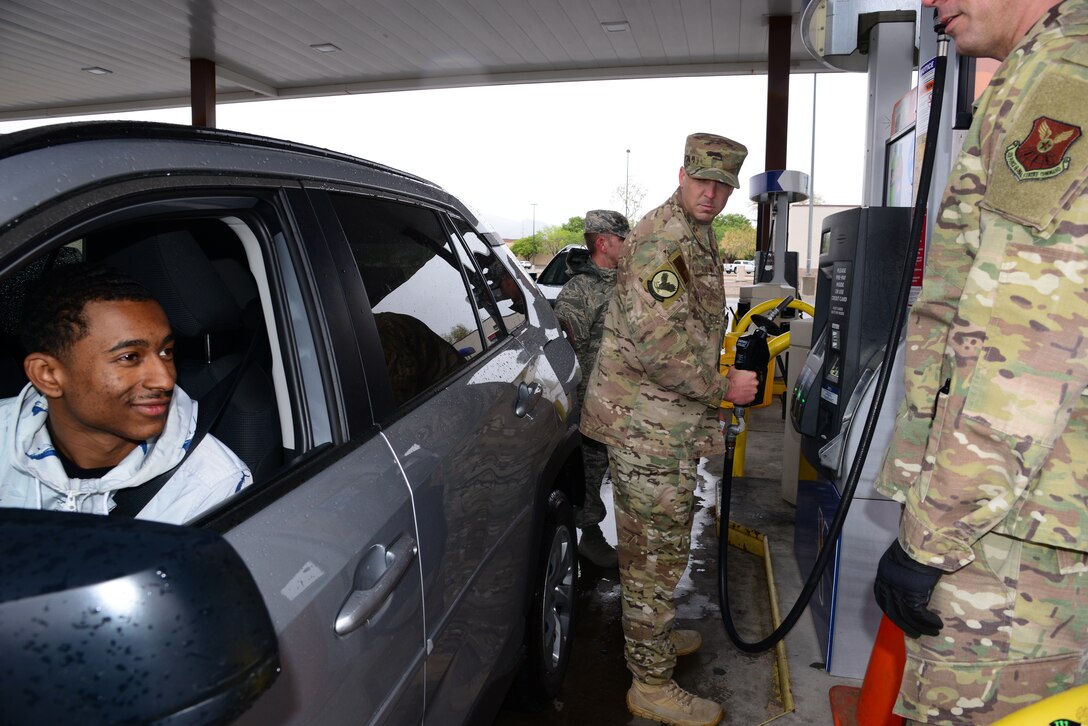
(863,256)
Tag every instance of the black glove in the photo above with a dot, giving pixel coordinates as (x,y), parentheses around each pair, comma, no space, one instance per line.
(902,591)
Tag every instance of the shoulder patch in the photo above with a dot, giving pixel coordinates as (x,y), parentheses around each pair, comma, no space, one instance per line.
(665,284)
(1043,160)
(1043,153)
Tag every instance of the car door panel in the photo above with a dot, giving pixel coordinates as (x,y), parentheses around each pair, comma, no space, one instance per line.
(340,553)
(473,518)
(311,552)
(472,462)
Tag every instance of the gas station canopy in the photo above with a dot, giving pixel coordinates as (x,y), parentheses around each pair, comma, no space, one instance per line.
(67,57)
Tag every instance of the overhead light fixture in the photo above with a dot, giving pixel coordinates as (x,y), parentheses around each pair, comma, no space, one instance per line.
(616,26)
(97,70)
(325,48)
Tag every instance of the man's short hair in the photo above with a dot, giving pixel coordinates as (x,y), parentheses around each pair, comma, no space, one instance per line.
(53,314)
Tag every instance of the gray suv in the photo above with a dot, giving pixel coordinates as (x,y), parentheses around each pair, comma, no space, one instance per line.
(401,393)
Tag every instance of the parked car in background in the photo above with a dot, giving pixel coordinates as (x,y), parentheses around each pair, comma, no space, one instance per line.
(402,394)
(555,274)
(748,267)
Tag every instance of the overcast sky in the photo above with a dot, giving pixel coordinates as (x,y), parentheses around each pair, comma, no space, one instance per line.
(563,146)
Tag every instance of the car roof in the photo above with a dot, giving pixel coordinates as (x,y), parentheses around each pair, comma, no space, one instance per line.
(41,163)
(83,131)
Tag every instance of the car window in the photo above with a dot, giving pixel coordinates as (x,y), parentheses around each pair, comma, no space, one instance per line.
(494,289)
(556,272)
(208,272)
(414,284)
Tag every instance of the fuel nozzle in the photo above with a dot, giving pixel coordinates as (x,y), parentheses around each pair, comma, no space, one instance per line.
(766,322)
(753,354)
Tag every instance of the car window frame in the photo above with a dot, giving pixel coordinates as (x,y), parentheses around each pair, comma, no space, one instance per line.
(75,215)
(385,411)
(452,221)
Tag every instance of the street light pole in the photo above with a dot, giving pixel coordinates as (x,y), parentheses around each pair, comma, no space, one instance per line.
(534,227)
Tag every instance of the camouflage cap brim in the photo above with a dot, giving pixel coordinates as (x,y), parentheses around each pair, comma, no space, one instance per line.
(716,175)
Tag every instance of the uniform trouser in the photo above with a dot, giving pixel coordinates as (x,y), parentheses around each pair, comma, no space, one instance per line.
(654,500)
(594,464)
(1015,631)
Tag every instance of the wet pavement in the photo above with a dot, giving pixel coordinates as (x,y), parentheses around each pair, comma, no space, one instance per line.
(597,678)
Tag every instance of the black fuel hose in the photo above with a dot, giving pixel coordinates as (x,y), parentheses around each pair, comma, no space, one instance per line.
(824,557)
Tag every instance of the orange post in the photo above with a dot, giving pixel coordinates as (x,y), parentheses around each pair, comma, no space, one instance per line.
(872,704)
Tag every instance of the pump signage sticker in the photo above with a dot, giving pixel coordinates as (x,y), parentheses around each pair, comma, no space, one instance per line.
(1042,154)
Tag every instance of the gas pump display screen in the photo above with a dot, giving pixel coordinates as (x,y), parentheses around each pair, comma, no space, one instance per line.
(825,241)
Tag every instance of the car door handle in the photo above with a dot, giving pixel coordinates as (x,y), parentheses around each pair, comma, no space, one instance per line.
(376,577)
(528,396)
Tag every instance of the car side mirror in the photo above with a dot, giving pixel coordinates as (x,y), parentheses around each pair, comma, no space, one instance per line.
(111,620)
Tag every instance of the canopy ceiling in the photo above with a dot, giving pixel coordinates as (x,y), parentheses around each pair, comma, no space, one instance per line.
(65,57)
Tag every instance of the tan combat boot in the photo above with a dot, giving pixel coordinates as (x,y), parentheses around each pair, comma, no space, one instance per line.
(686,642)
(671,704)
(594,547)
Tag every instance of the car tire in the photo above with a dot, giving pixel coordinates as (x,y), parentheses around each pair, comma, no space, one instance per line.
(550,625)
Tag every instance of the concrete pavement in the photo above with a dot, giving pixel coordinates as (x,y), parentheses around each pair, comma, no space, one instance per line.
(597,679)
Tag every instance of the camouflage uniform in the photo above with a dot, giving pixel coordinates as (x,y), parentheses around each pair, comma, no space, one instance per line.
(653,398)
(415,356)
(581,306)
(994,470)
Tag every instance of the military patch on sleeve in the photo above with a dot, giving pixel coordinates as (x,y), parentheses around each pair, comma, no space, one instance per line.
(665,284)
(1043,153)
(1028,183)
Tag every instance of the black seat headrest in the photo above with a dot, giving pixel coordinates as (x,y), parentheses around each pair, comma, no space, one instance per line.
(184,281)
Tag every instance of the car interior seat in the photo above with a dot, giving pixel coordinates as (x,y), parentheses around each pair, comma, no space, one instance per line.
(212,329)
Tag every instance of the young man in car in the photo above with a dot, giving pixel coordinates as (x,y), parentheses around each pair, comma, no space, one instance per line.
(580,307)
(653,398)
(102,412)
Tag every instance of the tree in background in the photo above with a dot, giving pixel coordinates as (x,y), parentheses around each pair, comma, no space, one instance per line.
(630,198)
(525,247)
(575,224)
(736,237)
(550,240)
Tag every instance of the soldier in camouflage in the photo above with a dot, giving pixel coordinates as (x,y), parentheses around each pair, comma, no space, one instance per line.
(580,307)
(989,575)
(653,398)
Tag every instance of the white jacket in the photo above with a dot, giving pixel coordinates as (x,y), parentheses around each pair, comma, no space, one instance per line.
(32,477)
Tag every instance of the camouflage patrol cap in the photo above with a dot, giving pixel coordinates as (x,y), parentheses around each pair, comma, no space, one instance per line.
(605,220)
(707,156)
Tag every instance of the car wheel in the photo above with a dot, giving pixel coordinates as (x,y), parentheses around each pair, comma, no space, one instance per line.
(548,632)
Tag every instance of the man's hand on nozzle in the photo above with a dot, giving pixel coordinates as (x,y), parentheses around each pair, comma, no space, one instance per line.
(903,587)
(743,386)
